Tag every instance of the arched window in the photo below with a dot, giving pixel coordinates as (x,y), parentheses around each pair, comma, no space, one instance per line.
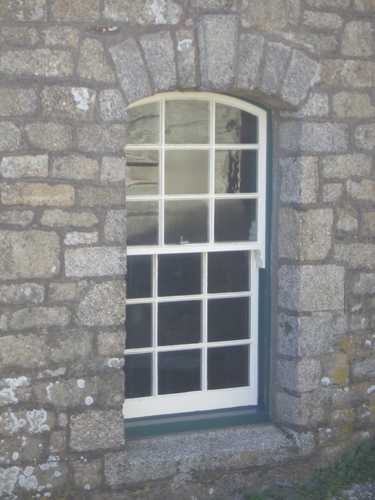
(196,237)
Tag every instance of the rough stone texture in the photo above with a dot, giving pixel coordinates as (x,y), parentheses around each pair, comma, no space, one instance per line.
(101,196)
(88,475)
(16,217)
(322,20)
(73,103)
(112,105)
(59,218)
(61,35)
(270,15)
(96,138)
(24,166)
(364,5)
(353,105)
(365,136)
(17,101)
(301,75)
(10,137)
(314,137)
(39,317)
(316,105)
(75,10)
(277,59)
(96,430)
(347,219)
(365,190)
(115,226)
(343,166)
(251,48)
(332,192)
(37,62)
(62,292)
(113,169)
(348,73)
(299,180)
(357,39)
(37,195)
(368,226)
(143,12)
(17,10)
(357,255)
(52,136)
(18,36)
(301,376)
(75,167)
(95,261)
(186,58)
(21,294)
(104,305)
(302,410)
(92,62)
(159,54)
(77,238)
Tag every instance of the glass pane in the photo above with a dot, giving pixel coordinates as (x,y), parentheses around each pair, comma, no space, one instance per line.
(138,375)
(138,326)
(186,222)
(228,272)
(142,172)
(236,171)
(187,122)
(186,172)
(179,371)
(233,126)
(179,274)
(228,319)
(138,276)
(235,220)
(143,124)
(142,226)
(179,322)
(228,367)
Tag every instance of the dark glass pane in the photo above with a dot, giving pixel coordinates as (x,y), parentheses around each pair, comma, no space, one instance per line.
(228,272)
(179,322)
(143,222)
(186,172)
(179,274)
(235,220)
(187,122)
(236,171)
(228,319)
(138,276)
(143,124)
(142,172)
(186,222)
(233,126)
(138,375)
(228,367)
(179,371)
(138,326)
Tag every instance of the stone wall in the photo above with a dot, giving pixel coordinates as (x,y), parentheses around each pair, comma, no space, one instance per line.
(68,70)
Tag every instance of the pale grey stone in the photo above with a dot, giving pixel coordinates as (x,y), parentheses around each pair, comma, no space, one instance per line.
(186,58)
(353,105)
(59,218)
(115,226)
(97,261)
(270,15)
(299,376)
(277,57)
(61,35)
(38,195)
(159,54)
(97,430)
(359,322)
(322,20)
(75,167)
(15,101)
(305,410)
(101,196)
(368,224)
(72,346)
(34,421)
(105,138)
(299,180)
(314,137)
(229,5)
(364,5)
(358,40)
(143,12)
(10,137)
(66,291)
(316,105)
(364,368)
(88,476)
(30,254)
(71,103)
(332,192)
(364,190)
(112,105)
(348,73)
(103,305)
(92,63)
(13,391)
(37,62)
(111,343)
(16,217)
(311,287)
(75,10)
(40,317)
(19,10)
(303,72)
(66,393)
(52,136)
(217,40)
(25,293)
(347,221)
(250,57)
(77,238)
(13,348)
(356,255)
(131,70)
(329,3)
(364,136)
(344,166)
(113,169)
(24,166)
(365,284)
(318,44)
(18,36)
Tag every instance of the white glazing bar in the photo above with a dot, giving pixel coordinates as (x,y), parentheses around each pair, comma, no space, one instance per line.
(205,322)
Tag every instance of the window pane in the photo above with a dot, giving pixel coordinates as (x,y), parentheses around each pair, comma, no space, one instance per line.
(138,375)
(228,272)
(143,124)
(179,274)
(179,371)
(138,326)
(186,222)
(228,367)
(142,172)
(138,276)
(236,171)
(233,126)
(187,122)
(179,322)
(235,220)
(228,319)
(186,172)
(143,222)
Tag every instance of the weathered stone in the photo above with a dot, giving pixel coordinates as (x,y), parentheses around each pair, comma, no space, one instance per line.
(364,368)
(368,224)
(329,3)
(303,72)
(40,317)
(270,15)
(322,20)
(103,305)
(251,49)
(332,192)
(298,286)
(353,105)
(72,346)
(16,217)
(102,196)
(277,59)
(75,167)
(111,343)
(303,410)
(217,37)
(186,58)
(143,12)
(66,393)
(357,39)
(96,138)
(61,292)
(318,44)
(75,10)
(27,447)
(112,105)
(113,169)
(87,476)
(359,322)
(131,70)
(14,390)
(348,73)
(61,35)
(159,54)
(347,221)
(26,293)
(24,166)
(316,137)
(18,36)
(37,62)
(364,190)
(97,430)
(92,63)
(52,136)
(72,103)
(97,261)
(13,348)
(336,368)
(366,284)
(26,422)
(357,255)
(17,101)
(214,4)
(364,5)
(30,254)
(57,442)
(115,226)
(10,137)
(299,180)
(37,195)
(76,238)
(59,218)
(365,136)
(316,105)
(18,10)
(344,166)
(299,376)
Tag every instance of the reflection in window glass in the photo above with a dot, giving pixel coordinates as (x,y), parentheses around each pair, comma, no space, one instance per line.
(186,172)
(236,171)
(228,319)
(138,276)
(186,222)
(143,124)
(234,126)
(179,274)
(138,369)
(228,272)
(179,371)
(138,325)
(228,367)
(143,222)
(187,122)
(179,322)
(142,172)
(235,220)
